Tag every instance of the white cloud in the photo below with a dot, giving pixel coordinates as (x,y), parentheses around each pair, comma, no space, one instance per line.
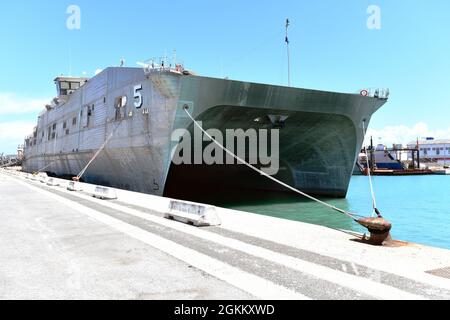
(10,103)
(402,134)
(13,134)
(14,131)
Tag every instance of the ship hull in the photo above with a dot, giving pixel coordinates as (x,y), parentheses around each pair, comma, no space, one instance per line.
(319,140)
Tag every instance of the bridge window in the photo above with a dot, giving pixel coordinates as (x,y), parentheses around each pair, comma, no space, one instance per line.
(64,85)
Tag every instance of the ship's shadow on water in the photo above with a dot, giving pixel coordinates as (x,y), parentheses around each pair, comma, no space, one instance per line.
(278,204)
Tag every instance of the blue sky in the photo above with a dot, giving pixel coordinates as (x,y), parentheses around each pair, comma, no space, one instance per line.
(332,49)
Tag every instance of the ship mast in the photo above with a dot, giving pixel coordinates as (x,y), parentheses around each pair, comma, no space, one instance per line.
(288,53)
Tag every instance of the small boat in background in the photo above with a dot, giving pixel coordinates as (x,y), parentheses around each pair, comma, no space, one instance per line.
(382,161)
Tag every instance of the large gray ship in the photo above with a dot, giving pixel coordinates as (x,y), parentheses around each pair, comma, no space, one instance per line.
(136,110)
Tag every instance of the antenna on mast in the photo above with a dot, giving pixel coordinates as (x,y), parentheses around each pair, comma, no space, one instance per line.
(174,57)
(288,53)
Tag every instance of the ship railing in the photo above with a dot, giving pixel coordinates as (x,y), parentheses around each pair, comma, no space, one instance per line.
(151,68)
(379,93)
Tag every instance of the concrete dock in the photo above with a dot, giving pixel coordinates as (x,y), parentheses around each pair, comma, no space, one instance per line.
(60,244)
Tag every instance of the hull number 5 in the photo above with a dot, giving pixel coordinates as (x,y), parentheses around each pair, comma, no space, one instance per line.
(138,101)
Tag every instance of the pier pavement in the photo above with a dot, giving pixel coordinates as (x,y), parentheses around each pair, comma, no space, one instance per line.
(59,244)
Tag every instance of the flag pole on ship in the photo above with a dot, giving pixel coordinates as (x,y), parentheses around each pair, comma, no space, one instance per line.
(288,53)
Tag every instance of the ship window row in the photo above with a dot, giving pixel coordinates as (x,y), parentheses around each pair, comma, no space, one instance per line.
(29,143)
(69,85)
(51,131)
(434,149)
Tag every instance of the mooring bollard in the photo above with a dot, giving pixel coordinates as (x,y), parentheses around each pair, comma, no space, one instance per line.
(379,229)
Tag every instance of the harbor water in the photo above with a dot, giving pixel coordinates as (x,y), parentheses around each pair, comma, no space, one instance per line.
(418,207)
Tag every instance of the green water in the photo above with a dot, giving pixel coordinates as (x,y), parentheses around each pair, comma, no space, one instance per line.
(418,207)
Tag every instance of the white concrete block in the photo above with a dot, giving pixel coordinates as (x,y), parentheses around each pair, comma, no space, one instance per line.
(52,182)
(74,186)
(42,177)
(104,193)
(195,214)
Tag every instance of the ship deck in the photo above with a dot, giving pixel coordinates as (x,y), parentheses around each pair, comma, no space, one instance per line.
(68,245)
